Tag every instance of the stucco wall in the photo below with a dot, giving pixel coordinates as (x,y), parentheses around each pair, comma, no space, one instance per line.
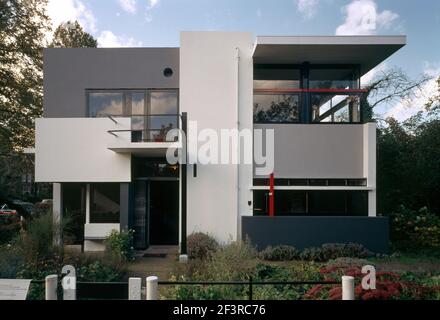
(318,151)
(69,72)
(211,90)
(75,150)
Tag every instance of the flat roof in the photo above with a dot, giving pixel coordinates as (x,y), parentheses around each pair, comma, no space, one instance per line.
(367,51)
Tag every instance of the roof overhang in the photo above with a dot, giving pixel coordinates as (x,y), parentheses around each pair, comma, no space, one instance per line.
(367,51)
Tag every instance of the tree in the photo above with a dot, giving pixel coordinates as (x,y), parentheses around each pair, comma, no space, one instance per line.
(72,35)
(23,24)
(388,87)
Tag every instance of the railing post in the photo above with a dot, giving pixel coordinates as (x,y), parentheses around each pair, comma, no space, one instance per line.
(250,288)
(51,286)
(151,288)
(347,288)
(134,288)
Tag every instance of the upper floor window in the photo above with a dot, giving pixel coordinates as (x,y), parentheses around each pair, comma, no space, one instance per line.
(333,78)
(276,108)
(153,112)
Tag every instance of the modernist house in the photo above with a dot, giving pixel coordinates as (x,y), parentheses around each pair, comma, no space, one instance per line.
(103,139)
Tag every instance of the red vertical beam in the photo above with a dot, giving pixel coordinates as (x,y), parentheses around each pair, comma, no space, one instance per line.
(271,196)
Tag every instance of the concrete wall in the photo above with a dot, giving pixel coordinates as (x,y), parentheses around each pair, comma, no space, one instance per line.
(318,151)
(216,90)
(303,232)
(75,150)
(69,72)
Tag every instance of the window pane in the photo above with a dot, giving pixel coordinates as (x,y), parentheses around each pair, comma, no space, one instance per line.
(333,79)
(290,202)
(327,203)
(104,204)
(105,103)
(275,77)
(163,114)
(276,84)
(276,108)
(261,202)
(358,203)
(138,119)
(335,108)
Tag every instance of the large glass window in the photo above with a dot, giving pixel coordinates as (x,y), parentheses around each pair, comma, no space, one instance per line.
(163,114)
(274,77)
(335,108)
(104,202)
(313,203)
(276,108)
(105,103)
(333,78)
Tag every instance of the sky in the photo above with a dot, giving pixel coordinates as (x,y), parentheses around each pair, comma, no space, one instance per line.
(158,23)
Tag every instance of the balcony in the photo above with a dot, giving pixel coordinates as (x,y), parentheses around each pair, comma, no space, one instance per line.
(146,135)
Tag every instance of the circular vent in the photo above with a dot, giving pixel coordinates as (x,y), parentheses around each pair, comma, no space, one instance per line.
(167,72)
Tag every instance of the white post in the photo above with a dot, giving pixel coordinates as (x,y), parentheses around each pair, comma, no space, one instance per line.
(347,288)
(134,288)
(51,285)
(151,289)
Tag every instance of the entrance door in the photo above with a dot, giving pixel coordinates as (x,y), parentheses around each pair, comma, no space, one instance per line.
(163,212)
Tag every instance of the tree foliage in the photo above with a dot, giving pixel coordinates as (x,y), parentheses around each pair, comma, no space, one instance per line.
(23,24)
(72,35)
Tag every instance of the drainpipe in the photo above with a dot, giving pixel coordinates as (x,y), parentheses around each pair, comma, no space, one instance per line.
(237,57)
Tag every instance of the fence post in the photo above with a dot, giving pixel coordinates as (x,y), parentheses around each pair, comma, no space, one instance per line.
(347,288)
(151,289)
(51,286)
(134,288)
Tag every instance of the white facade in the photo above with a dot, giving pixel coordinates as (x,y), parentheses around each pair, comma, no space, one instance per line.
(216,90)
(217,71)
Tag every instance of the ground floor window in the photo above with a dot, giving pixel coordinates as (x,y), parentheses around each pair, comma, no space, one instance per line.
(104,202)
(314,203)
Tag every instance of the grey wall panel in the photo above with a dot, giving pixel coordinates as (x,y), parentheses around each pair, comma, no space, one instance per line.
(69,72)
(317,151)
(303,232)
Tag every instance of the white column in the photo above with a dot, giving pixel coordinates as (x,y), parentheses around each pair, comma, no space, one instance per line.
(51,284)
(57,212)
(151,289)
(370,164)
(347,288)
(134,288)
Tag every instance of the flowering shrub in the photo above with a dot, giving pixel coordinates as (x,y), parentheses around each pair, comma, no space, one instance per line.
(415,229)
(389,286)
(120,244)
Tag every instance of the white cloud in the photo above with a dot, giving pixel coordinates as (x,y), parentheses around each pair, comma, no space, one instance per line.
(307,8)
(108,39)
(61,11)
(404,109)
(363,18)
(150,6)
(128,5)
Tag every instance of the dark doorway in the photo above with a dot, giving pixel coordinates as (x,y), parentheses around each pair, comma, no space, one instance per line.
(164,212)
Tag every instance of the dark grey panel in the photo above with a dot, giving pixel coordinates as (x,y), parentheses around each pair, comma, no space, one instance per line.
(69,72)
(124,205)
(303,232)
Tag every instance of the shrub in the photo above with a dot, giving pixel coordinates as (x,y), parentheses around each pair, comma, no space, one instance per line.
(36,241)
(335,250)
(413,230)
(279,253)
(120,244)
(201,245)
(388,286)
(10,262)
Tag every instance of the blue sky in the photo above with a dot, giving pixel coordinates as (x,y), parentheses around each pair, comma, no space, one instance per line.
(158,22)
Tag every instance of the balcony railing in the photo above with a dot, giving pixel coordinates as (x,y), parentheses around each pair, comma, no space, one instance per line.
(308,105)
(149,127)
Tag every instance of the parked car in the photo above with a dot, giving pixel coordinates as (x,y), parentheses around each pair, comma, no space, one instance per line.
(5,211)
